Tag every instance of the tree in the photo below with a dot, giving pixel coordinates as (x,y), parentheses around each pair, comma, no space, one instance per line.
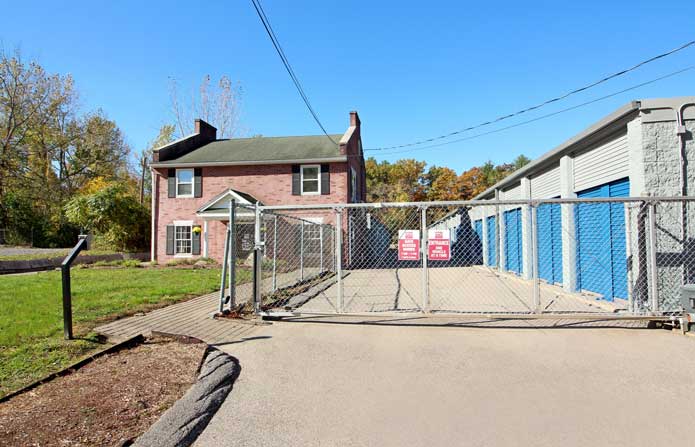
(442,183)
(219,104)
(118,220)
(48,150)
(27,98)
(521,161)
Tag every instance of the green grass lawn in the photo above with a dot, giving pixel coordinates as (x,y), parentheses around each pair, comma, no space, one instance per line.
(31,319)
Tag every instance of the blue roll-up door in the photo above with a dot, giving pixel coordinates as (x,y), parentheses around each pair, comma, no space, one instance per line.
(512,241)
(478,226)
(491,241)
(549,236)
(601,247)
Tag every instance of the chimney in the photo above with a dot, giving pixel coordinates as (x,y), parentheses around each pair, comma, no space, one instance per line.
(354,119)
(206,131)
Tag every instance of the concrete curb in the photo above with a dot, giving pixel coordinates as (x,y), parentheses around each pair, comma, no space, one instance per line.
(181,424)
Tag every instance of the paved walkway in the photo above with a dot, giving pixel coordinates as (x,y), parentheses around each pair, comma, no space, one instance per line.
(314,384)
(191,318)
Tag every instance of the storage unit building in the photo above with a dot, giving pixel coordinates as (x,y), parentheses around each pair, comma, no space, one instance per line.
(643,148)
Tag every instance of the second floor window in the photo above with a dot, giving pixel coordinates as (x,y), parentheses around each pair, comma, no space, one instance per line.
(311,179)
(184,183)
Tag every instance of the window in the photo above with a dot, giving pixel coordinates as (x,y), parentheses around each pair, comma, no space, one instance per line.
(311,179)
(312,236)
(183,240)
(184,183)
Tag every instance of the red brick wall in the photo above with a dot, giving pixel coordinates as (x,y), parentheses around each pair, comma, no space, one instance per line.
(271,184)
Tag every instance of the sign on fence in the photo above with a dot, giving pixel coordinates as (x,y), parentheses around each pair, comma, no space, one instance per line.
(438,245)
(408,245)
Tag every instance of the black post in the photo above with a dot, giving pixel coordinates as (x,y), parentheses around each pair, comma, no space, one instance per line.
(67,293)
(67,302)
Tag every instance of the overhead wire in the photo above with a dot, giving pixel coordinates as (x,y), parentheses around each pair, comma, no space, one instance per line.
(542,104)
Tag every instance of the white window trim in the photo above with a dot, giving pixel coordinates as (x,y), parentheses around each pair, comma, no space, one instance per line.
(313,221)
(301,180)
(183,223)
(192,194)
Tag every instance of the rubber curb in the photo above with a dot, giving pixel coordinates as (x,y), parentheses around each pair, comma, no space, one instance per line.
(127,343)
(181,424)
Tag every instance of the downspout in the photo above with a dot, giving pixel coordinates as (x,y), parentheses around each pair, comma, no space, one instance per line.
(682,132)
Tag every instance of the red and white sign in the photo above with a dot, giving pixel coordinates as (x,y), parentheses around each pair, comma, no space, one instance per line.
(438,245)
(408,245)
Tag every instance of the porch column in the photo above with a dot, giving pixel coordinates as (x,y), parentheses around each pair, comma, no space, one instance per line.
(205,238)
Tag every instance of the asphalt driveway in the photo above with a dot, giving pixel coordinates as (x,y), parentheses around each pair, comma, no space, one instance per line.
(341,384)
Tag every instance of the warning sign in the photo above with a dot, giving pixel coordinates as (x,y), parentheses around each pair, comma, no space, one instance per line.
(408,245)
(438,245)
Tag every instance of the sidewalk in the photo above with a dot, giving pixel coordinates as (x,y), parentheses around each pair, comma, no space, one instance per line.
(191,318)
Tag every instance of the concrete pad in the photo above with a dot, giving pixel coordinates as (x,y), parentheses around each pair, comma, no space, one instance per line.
(341,384)
(473,289)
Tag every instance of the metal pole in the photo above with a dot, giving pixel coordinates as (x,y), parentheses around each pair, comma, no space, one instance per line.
(534,259)
(423,250)
(67,302)
(339,256)
(232,253)
(275,251)
(301,251)
(654,277)
(258,244)
(224,269)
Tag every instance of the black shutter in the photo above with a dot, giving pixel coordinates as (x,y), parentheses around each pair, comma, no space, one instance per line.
(195,245)
(170,239)
(296,181)
(171,187)
(198,182)
(325,179)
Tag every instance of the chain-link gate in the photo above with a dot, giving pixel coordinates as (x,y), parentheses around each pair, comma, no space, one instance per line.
(608,257)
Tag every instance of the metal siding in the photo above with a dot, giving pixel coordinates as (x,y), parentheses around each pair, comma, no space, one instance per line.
(601,262)
(546,184)
(602,164)
(512,240)
(491,241)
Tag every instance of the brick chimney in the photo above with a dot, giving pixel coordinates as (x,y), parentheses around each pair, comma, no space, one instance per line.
(354,119)
(206,131)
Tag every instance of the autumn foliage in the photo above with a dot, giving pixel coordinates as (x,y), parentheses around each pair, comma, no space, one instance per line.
(408,180)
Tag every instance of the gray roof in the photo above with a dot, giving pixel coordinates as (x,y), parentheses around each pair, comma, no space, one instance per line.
(262,149)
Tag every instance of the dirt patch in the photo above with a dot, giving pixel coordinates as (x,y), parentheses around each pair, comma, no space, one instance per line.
(107,402)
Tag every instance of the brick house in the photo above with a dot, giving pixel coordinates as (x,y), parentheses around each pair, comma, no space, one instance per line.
(194,178)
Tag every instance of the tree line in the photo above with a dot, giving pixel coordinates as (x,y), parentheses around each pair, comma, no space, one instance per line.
(410,180)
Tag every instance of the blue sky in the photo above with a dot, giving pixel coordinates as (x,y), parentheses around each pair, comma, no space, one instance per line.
(412,70)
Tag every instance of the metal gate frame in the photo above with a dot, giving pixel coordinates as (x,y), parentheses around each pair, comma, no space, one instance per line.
(648,203)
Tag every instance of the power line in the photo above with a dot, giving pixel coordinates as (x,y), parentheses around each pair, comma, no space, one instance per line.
(276,43)
(542,104)
(546,115)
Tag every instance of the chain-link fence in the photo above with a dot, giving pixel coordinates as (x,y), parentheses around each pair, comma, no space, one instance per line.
(604,256)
